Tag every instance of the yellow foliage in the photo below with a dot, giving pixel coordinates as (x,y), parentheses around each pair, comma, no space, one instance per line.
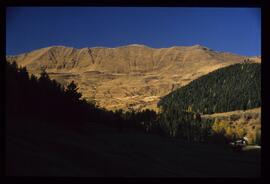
(219,127)
(189,108)
(240,132)
(229,132)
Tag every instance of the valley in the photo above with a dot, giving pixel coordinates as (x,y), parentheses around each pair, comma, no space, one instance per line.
(133,92)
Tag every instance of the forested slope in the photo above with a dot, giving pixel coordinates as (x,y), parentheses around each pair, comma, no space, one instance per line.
(236,87)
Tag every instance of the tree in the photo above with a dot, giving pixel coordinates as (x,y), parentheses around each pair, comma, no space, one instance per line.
(72,91)
(44,77)
(226,89)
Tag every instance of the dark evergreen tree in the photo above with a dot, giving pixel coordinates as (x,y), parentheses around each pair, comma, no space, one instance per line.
(227,89)
(231,88)
(72,91)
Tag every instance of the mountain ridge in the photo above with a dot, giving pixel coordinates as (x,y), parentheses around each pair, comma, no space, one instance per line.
(130,77)
(129,45)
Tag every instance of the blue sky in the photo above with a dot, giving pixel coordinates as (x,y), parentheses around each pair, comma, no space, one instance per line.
(236,30)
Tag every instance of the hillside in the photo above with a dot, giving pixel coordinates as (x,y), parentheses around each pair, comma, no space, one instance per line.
(128,77)
(239,123)
(236,87)
(50,132)
(45,149)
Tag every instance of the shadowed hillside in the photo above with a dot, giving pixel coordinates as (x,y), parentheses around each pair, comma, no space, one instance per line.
(98,151)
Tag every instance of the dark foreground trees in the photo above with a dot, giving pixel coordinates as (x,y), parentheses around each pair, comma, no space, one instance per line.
(43,99)
(185,125)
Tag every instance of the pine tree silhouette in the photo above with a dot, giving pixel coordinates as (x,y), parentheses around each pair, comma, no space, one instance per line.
(72,91)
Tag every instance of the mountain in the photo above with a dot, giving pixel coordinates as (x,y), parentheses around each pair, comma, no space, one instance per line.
(236,87)
(129,77)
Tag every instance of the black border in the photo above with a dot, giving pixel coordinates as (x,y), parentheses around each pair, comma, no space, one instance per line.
(2,81)
(139,3)
(151,3)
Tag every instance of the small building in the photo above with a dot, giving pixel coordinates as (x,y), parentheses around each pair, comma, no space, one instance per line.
(239,144)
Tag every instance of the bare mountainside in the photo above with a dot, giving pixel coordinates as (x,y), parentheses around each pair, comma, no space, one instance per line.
(127,77)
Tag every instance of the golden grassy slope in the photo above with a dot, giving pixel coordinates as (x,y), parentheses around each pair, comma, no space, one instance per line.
(133,76)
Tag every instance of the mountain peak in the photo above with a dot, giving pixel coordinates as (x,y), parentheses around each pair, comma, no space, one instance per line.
(139,45)
(197,46)
(135,45)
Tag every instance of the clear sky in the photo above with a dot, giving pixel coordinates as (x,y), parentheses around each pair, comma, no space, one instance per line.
(236,30)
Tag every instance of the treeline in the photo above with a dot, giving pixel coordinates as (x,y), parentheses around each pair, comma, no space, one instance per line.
(44,99)
(227,89)
(236,87)
(186,125)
